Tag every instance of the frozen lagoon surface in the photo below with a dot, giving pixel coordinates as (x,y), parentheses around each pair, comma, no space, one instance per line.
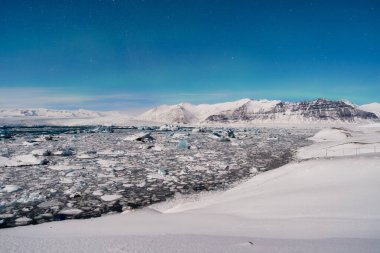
(105,170)
(323,204)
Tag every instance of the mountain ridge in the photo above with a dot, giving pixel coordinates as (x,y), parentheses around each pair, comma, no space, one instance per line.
(246,110)
(242,110)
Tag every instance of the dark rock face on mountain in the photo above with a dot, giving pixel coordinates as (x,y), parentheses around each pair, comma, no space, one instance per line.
(335,110)
(319,109)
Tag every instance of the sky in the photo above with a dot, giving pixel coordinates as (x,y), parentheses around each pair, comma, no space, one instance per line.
(135,54)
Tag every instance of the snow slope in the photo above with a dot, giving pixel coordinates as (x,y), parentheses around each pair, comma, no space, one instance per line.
(316,189)
(316,205)
(343,142)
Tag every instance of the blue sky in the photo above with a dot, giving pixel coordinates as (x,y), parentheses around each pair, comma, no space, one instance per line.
(121,55)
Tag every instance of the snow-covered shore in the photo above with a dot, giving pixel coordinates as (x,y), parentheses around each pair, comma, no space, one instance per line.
(322,204)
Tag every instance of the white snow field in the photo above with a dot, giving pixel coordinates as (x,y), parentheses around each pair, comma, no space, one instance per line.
(318,204)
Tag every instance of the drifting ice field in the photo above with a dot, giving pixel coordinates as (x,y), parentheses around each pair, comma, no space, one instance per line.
(57,173)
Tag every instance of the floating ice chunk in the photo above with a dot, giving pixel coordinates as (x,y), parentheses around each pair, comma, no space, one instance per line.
(154,176)
(185,158)
(64,152)
(70,212)
(198,168)
(67,152)
(50,203)
(7,216)
(73,173)
(5,152)
(86,156)
(101,129)
(183,144)
(216,135)
(144,137)
(230,133)
(109,152)
(102,175)
(168,128)
(47,215)
(119,169)
(272,138)
(11,188)
(254,170)
(39,139)
(65,167)
(31,197)
(180,135)
(108,198)
(66,181)
(26,143)
(106,163)
(142,184)
(41,152)
(224,139)
(5,133)
(219,137)
(22,221)
(163,171)
(234,143)
(21,160)
(75,195)
(158,147)
(97,193)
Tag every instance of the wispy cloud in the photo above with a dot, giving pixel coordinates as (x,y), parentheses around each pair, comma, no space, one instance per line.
(35,97)
(134,103)
(58,98)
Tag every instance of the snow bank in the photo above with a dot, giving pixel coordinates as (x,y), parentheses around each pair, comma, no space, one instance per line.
(330,135)
(357,141)
(339,188)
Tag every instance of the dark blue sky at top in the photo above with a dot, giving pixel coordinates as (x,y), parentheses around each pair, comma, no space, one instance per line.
(117,54)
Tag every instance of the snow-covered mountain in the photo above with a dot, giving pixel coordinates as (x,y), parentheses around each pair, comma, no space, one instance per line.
(243,110)
(48,113)
(31,117)
(372,107)
(186,113)
(259,110)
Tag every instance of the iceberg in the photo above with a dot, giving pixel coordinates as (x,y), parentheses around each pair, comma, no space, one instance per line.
(183,144)
(143,137)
